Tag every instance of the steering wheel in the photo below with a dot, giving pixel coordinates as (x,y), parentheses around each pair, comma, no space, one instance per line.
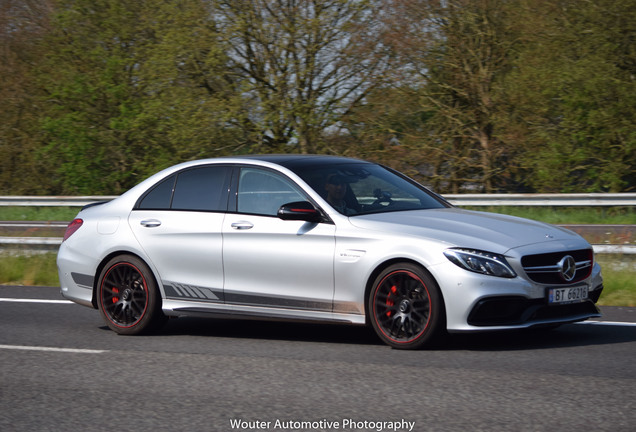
(382,197)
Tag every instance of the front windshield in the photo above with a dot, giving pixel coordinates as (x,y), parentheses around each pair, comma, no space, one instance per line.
(360,188)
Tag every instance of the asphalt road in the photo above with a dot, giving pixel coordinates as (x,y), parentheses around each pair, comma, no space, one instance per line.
(63,370)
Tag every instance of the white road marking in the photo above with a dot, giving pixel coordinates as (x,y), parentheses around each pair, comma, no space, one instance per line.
(48,349)
(18,300)
(52,349)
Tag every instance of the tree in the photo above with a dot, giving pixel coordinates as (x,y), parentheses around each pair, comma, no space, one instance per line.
(453,56)
(133,87)
(193,104)
(23,24)
(306,64)
(576,96)
(527,95)
(464,86)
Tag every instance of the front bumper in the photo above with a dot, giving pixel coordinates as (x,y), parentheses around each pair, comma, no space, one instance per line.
(477,303)
(520,311)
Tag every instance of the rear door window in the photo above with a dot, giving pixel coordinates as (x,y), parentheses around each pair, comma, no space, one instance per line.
(195,189)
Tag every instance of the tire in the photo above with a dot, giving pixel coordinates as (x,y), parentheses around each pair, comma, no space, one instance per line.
(128,298)
(406,307)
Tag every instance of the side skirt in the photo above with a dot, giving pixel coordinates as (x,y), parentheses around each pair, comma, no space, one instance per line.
(220,310)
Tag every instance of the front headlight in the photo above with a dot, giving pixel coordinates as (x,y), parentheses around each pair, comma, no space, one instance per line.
(480,262)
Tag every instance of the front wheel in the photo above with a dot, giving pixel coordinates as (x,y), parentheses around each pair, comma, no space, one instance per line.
(128,296)
(405,307)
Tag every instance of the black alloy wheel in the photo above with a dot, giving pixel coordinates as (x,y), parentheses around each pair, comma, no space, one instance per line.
(405,307)
(128,296)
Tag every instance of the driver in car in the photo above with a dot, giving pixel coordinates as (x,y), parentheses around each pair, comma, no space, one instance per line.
(336,188)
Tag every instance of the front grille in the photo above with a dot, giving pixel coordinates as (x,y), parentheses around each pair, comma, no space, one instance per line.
(552,268)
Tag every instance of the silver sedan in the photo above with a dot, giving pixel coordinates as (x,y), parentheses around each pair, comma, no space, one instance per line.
(324,239)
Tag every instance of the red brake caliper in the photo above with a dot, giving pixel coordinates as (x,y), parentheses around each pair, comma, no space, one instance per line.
(389,301)
(115,291)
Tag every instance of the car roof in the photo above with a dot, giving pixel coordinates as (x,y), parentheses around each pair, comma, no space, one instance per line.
(292,161)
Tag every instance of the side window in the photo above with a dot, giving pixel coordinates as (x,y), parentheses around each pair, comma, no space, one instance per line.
(262,192)
(203,189)
(159,197)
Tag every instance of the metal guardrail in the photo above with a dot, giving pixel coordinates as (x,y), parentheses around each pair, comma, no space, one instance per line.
(31,241)
(51,201)
(472,200)
(545,200)
(587,199)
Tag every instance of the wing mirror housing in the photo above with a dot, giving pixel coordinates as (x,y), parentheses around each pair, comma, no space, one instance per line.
(300,211)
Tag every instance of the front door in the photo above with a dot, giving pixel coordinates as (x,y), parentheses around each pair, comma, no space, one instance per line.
(270,262)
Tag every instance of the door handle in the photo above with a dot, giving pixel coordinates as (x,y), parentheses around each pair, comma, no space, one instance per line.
(150,223)
(242,225)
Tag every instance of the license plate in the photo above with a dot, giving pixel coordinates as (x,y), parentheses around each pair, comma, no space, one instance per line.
(567,295)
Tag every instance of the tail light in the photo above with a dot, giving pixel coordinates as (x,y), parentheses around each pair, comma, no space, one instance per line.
(72,227)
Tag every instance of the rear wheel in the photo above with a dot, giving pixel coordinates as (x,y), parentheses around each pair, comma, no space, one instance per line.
(405,307)
(128,297)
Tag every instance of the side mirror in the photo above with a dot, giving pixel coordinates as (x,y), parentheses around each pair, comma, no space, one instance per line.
(300,210)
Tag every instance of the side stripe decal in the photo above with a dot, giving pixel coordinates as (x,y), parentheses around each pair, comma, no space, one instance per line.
(182,291)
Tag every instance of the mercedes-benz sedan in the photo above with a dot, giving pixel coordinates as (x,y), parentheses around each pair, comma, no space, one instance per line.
(323,239)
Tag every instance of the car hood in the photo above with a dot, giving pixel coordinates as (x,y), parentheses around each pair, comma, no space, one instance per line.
(471,229)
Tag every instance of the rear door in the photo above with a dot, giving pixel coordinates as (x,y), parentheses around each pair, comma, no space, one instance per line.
(178,223)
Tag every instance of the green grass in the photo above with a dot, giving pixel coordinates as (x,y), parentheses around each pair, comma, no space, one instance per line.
(38,213)
(569,215)
(619,276)
(36,269)
(619,273)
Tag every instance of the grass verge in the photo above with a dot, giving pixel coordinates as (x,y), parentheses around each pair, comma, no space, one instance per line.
(569,215)
(38,213)
(619,273)
(33,269)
